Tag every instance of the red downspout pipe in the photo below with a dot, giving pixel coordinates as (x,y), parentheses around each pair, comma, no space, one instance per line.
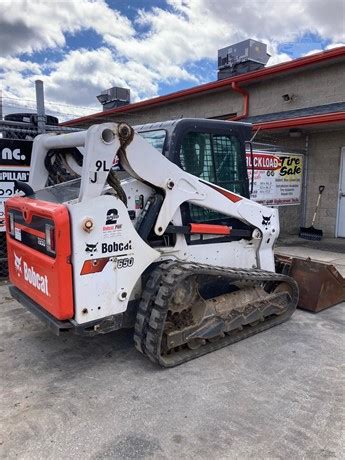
(245,94)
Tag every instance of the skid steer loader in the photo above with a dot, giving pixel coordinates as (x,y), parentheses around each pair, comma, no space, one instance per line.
(149,227)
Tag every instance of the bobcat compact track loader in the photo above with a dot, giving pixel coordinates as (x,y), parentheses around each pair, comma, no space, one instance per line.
(175,249)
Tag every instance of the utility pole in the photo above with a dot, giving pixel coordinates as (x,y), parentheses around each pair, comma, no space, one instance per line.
(41,118)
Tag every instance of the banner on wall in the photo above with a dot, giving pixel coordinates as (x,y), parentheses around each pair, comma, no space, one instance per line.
(15,159)
(277,177)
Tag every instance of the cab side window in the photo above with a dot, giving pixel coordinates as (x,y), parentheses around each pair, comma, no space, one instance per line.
(230,168)
(196,155)
(215,158)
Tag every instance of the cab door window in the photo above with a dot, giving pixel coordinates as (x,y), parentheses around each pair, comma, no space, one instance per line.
(230,166)
(196,156)
(216,158)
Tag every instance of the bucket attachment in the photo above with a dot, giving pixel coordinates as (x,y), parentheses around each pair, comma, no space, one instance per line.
(320,285)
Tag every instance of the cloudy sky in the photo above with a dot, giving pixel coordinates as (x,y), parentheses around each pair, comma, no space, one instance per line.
(80,47)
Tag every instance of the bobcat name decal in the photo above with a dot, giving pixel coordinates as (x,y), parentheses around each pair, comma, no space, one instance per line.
(31,276)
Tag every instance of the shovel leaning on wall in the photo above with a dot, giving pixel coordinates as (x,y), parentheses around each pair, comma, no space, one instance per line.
(311,233)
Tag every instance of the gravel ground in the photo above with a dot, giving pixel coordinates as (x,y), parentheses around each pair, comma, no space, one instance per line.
(279,394)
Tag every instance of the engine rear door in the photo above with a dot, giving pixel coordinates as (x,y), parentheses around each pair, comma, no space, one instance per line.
(39,250)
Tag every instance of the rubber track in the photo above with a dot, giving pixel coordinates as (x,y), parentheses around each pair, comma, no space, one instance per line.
(159,288)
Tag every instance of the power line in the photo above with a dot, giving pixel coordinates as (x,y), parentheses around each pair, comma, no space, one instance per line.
(14,106)
(91,117)
(49,102)
(103,118)
(69,105)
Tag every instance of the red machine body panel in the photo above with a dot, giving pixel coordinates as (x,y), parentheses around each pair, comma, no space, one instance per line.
(39,253)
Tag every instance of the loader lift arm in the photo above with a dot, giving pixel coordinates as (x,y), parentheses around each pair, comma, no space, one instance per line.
(102,143)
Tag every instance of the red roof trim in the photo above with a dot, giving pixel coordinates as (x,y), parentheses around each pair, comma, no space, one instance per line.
(247,77)
(302,121)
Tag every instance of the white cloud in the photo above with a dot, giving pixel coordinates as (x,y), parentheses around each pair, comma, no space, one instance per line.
(334,45)
(16,65)
(83,70)
(185,33)
(79,78)
(26,26)
(328,47)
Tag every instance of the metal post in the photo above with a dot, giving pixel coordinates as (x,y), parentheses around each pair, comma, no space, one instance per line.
(41,118)
(1,113)
(303,217)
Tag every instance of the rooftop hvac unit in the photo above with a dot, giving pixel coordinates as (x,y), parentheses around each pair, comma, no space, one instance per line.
(114,97)
(241,58)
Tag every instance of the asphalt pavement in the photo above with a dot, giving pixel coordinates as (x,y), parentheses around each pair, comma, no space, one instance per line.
(277,395)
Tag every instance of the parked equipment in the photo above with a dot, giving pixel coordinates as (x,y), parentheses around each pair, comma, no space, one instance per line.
(311,233)
(175,248)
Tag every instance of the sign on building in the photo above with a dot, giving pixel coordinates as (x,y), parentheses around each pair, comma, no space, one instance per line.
(277,177)
(15,158)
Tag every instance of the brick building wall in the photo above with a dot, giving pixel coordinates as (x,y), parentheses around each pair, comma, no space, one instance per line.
(311,87)
(202,106)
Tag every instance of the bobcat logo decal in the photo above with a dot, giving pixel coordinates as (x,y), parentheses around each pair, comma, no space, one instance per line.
(91,248)
(17,263)
(266,221)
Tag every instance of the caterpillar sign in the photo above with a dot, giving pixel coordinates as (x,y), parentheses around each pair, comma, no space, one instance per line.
(15,158)
(277,177)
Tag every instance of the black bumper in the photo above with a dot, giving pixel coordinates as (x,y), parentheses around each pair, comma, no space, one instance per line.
(101,326)
(54,324)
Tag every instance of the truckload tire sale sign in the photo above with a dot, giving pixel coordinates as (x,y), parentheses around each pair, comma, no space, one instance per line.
(277,177)
(15,158)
